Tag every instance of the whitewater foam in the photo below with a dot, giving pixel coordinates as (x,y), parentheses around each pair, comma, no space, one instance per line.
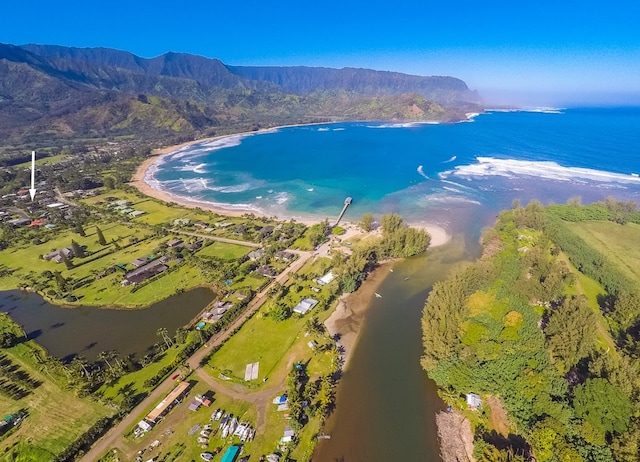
(548,170)
(421,172)
(450,160)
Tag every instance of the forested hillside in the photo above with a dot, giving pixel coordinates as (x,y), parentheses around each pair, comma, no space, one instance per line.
(51,95)
(545,326)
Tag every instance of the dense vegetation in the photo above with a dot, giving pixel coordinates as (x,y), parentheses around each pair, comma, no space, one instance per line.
(397,241)
(517,329)
(52,95)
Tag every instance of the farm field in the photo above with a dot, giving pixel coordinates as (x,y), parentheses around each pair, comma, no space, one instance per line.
(618,243)
(56,417)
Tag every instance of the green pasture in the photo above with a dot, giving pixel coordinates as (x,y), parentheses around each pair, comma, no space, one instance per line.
(56,417)
(618,243)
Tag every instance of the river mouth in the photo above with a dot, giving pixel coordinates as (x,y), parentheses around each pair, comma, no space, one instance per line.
(386,405)
(86,331)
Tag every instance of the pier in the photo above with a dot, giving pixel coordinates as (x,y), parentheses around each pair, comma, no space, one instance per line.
(347,203)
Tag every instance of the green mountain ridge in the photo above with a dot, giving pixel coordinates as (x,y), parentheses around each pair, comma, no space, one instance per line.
(52,94)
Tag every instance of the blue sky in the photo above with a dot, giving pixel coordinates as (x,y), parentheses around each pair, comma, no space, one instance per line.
(542,52)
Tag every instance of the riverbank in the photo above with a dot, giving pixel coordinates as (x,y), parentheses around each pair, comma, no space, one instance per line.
(346,320)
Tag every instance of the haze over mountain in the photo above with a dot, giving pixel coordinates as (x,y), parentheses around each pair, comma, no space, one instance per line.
(49,91)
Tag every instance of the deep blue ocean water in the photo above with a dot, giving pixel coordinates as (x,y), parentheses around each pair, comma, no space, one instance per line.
(454,175)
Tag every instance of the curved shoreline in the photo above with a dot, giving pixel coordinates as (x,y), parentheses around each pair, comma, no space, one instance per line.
(439,235)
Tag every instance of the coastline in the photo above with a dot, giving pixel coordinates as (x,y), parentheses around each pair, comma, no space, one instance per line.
(439,235)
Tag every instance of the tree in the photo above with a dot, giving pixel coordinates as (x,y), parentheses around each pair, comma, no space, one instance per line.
(280,312)
(164,333)
(109,182)
(314,326)
(78,251)
(603,405)
(391,222)
(181,335)
(366,222)
(104,356)
(61,281)
(101,239)
(79,229)
(571,332)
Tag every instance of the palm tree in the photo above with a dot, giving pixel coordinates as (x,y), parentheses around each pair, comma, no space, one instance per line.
(164,333)
(80,362)
(104,356)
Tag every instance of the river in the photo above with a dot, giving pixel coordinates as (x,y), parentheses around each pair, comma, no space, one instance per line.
(386,405)
(87,331)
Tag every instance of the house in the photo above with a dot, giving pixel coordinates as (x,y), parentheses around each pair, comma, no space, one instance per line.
(167,402)
(59,255)
(288,435)
(266,231)
(266,271)
(256,254)
(284,255)
(305,306)
(326,279)
(174,243)
(38,222)
(144,425)
(137,213)
(312,344)
(145,272)
(181,222)
(138,262)
(473,401)
(19,222)
(196,245)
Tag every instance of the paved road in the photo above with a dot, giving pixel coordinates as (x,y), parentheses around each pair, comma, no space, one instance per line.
(216,238)
(111,438)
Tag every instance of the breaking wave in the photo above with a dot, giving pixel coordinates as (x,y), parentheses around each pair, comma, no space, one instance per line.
(421,171)
(548,170)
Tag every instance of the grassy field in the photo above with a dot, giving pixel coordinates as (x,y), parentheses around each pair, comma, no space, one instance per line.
(56,417)
(618,243)
(134,381)
(51,160)
(156,212)
(591,289)
(224,250)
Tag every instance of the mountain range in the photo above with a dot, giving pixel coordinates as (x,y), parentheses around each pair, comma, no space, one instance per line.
(52,94)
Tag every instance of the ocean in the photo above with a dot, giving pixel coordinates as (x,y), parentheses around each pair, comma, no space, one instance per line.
(455,175)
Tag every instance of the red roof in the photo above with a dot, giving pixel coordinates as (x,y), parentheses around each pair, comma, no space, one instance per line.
(38,222)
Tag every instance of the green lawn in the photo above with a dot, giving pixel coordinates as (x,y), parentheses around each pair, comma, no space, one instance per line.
(56,417)
(224,250)
(134,381)
(51,160)
(618,243)
(591,289)
(156,212)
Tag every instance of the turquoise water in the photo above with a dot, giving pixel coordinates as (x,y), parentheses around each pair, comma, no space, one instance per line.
(453,174)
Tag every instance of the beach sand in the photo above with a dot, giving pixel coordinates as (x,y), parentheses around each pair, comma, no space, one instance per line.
(350,312)
(439,235)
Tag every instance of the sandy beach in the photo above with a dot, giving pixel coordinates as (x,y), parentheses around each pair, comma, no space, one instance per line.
(439,235)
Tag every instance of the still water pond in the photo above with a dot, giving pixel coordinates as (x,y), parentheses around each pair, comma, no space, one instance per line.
(87,331)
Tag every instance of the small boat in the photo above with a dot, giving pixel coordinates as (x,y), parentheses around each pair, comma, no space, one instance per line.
(233,425)
(406,279)
(391,270)
(378,295)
